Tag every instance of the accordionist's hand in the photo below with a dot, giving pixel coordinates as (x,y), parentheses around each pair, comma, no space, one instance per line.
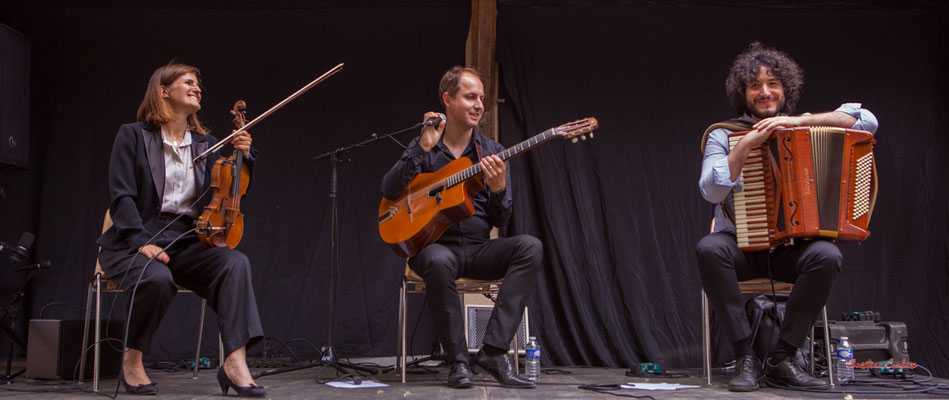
(780,122)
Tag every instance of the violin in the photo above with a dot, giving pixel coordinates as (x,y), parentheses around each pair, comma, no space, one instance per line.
(222,223)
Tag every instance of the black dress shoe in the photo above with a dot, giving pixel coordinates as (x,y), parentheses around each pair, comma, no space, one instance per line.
(747,374)
(787,373)
(460,376)
(242,391)
(502,368)
(143,389)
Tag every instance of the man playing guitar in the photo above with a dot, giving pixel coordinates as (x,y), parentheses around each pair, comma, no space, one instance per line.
(464,249)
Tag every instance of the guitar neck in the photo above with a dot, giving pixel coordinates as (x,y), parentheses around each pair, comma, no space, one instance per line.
(505,155)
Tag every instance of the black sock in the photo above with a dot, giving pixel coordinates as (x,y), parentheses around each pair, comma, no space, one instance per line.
(492,351)
(782,350)
(743,348)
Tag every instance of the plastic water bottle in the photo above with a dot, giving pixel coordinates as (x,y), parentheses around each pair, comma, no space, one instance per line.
(532,366)
(844,360)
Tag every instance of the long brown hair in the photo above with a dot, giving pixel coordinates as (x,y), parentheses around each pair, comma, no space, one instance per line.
(154,109)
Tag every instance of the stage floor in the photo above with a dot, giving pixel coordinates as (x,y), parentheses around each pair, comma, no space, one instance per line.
(422,384)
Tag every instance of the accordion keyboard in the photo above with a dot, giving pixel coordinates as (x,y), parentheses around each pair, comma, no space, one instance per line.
(751,204)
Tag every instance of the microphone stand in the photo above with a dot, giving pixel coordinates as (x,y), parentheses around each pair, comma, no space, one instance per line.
(329,359)
(11,312)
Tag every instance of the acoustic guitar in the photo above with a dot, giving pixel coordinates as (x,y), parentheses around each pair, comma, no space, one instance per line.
(434,201)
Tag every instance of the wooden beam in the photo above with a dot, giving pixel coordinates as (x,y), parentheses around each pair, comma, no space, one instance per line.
(479,54)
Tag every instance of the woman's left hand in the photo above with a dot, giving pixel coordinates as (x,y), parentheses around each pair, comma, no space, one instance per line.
(242,142)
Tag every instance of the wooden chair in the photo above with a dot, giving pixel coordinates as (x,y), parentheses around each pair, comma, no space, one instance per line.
(758,285)
(102,284)
(412,283)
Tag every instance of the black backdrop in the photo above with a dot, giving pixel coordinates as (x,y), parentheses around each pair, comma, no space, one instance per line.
(619,215)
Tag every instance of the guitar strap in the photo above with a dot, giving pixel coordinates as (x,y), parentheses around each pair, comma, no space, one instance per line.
(734,125)
(477,145)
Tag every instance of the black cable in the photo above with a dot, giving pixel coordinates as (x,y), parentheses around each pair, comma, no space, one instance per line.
(135,288)
(317,377)
(392,135)
(318,350)
(128,320)
(669,375)
(149,241)
(170,367)
(82,356)
(285,346)
(554,371)
(898,386)
(778,319)
(58,303)
(75,389)
(132,300)
(607,388)
(356,378)
(414,328)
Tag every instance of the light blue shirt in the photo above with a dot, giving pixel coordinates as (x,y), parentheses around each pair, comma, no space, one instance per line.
(715,182)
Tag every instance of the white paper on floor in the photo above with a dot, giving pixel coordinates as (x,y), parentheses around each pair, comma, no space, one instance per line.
(365,384)
(657,386)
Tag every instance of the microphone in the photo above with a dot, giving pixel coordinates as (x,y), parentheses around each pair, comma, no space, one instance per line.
(21,251)
(435,121)
(42,265)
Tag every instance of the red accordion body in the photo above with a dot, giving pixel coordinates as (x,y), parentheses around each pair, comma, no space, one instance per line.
(806,182)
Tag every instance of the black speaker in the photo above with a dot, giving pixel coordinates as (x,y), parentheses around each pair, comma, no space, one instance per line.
(14,97)
(476,319)
(54,347)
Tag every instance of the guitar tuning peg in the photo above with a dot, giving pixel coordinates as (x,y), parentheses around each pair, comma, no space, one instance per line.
(574,140)
(583,137)
(591,135)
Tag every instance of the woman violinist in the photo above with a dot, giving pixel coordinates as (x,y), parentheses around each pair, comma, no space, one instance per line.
(156,193)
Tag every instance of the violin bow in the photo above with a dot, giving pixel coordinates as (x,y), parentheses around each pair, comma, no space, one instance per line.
(267,113)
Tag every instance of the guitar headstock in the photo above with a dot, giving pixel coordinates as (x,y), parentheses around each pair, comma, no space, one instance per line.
(577,129)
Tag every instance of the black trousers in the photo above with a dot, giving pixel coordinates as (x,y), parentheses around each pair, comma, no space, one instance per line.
(517,259)
(218,274)
(811,265)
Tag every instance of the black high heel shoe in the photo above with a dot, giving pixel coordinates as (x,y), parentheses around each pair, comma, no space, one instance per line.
(144,389)
(242,391)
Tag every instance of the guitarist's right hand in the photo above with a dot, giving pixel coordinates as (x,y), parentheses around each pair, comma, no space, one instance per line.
(430,134)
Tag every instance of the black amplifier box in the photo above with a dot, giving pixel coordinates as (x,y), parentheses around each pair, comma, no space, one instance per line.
(871,341)
(54,347)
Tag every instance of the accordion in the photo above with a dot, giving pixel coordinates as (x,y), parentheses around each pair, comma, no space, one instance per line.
(806,182)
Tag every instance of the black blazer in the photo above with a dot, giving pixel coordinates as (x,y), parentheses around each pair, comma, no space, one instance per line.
(136,183)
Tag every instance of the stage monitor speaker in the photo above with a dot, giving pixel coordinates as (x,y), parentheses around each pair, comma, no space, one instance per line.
(14,97)
(54,347)
(476,321)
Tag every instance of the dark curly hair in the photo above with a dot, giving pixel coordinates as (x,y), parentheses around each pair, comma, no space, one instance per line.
(745,68)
